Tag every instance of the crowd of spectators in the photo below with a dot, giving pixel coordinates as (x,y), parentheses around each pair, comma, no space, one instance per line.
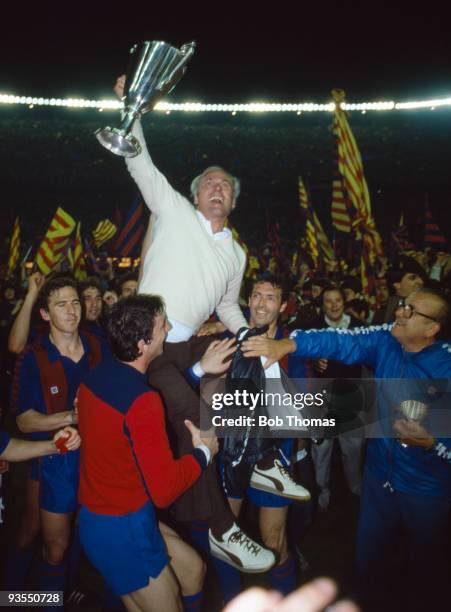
(403,154)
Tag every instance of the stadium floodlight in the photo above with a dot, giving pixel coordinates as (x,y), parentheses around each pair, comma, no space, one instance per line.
(252,107)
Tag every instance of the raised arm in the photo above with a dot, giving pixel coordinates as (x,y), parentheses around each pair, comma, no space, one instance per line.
(20,329)
(155,189)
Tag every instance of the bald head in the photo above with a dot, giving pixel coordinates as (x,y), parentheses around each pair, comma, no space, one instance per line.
(437,302)
(436,306)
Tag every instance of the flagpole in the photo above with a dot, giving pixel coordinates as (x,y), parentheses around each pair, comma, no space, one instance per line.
(24,260)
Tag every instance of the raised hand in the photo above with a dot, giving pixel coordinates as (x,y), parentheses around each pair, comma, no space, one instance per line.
(213,361)
(119,86)
(208,439)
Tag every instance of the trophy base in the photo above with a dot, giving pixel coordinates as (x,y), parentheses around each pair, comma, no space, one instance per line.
(114,140)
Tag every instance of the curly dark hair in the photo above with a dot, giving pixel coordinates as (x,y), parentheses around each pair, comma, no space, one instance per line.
(54,284)
(276,281)
(130,320)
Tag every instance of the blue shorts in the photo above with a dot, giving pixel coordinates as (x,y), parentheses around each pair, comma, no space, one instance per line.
(263,499)
(58,477)
(127,550)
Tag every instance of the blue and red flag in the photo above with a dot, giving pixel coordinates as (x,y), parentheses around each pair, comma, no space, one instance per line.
(130,236)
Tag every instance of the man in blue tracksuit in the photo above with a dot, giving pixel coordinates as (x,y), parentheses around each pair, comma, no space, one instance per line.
(407,481)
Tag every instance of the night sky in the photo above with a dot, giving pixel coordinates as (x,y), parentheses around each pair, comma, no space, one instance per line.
(287,52)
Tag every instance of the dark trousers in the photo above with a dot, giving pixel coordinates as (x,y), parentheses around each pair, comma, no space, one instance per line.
(410,530)
(205,500)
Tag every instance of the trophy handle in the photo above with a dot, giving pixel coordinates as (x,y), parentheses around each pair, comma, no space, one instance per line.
(187,50)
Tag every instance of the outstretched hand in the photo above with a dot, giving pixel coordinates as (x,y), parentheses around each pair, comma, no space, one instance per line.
(216,360)
(273,350)
(208,438)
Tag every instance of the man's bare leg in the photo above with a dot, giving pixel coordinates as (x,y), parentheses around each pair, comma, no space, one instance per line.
(273,530)
(235,506)
(56,534)
(186,563)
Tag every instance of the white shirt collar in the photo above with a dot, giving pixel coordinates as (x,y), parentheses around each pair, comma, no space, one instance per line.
(343,323)
(224,233)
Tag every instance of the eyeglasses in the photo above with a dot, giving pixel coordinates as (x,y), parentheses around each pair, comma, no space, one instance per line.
(409,311)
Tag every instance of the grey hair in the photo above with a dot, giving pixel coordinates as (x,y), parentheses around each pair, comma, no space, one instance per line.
(196,181)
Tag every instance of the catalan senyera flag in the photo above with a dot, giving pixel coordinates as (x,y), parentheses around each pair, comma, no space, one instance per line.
(14,247)
(76,256)
(104,231)
(340,205)
(351,183)
(251,267)
(317,240)
(52,248)
(351,176)
(236,236)
(310,233)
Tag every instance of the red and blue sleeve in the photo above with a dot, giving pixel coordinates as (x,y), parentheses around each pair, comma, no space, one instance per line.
(165,478)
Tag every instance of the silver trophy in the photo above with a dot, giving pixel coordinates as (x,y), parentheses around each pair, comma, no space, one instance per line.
(155,69)
(412,410)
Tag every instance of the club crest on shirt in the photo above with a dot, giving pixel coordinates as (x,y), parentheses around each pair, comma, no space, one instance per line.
(54,390)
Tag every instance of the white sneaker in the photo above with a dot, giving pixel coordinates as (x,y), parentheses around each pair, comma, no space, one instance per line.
(241,552)
(279,481)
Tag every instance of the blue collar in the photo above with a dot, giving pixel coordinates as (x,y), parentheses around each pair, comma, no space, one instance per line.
(53,353)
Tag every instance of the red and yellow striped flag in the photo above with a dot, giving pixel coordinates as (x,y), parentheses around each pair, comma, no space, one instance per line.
(104,231)
(251,268)
(317,240)
(351,177)
(14,248)
(236,236)
(350,183)
(52,248)
(310,233)
(341,206)
(339,210)
(76,256)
